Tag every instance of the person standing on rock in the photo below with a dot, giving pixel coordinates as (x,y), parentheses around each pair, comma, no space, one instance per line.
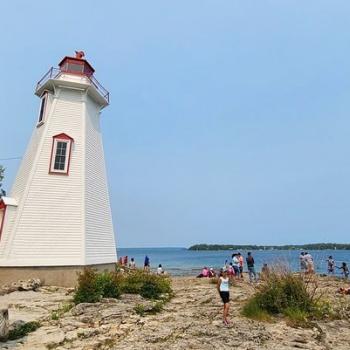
(250,264)
(224,291)
(241,261)
(146,265)
(330,265)
(309,263)
(235,264)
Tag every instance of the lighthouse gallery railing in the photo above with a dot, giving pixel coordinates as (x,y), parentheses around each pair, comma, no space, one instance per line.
(53,73)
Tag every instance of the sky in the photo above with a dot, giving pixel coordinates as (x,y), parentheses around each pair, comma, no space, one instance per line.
(229,120)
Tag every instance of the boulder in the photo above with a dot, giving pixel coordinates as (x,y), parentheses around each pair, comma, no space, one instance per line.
(31,284)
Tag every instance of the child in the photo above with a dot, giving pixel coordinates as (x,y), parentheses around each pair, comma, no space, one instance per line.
(345,269)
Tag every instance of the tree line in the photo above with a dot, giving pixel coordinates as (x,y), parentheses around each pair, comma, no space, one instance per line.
(236,247)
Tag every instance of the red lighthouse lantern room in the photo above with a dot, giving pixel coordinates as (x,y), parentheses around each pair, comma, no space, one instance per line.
(76,65)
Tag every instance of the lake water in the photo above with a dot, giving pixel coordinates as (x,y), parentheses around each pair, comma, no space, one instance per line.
(183,262)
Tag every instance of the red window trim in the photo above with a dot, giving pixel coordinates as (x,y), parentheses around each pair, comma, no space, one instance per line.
(64,137)
(2,206)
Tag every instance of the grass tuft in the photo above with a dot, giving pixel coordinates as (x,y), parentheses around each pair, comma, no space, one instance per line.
(23,330)
(253,310)
(142,310)
(57,314)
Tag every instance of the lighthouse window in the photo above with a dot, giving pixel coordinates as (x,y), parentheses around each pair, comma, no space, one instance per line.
(42,109)
(76,68)
(60,154)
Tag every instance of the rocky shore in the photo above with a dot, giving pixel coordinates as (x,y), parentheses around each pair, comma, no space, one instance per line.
(190,320)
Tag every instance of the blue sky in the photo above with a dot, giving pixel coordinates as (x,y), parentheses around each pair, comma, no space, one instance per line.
(229,120)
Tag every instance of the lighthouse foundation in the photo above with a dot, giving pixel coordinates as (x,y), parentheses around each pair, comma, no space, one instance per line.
(62,276)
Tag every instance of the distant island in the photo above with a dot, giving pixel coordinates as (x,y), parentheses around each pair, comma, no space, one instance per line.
(313,246)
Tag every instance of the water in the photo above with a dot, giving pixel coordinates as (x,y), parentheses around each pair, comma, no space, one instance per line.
(183,262)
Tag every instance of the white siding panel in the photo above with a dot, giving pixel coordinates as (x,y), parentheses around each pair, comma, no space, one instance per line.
(99,235)
(61,220)
(29,156)
(10,217)
(49,229)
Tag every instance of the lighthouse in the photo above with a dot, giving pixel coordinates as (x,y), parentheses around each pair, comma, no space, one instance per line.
(57,218)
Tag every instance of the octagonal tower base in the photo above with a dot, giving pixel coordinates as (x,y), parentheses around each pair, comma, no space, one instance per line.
(62,276)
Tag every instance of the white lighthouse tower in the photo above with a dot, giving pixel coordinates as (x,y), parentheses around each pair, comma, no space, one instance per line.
(57,218)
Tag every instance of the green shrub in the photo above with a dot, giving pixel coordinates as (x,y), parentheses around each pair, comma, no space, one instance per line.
(23,330)
(88,291)
(133,281)
(151,290)
(148,285)
(285,293)
(109,284)
(281,292)
(93,286)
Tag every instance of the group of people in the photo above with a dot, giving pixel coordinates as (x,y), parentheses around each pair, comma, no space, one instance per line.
(207,272)
(234,268)
(331,266)
(123,261)
(147,266)
(306,262)
(307,265)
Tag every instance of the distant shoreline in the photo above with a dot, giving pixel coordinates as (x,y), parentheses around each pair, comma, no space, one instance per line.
(233,247)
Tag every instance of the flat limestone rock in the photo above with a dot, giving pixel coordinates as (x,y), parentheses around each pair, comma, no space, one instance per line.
(191,320)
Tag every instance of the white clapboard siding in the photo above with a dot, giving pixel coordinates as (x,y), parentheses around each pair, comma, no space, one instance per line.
(28,158)
(99,239)
(7,228)
(50,218)
(61,220)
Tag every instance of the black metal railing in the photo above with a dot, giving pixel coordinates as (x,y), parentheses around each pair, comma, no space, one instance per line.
(53,73)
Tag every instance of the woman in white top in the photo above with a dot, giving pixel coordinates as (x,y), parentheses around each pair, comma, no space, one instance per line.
(224,291)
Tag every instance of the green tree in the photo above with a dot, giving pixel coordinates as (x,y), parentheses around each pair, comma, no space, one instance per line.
(2,172)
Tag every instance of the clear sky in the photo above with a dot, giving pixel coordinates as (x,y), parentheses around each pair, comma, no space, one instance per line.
(229,120)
